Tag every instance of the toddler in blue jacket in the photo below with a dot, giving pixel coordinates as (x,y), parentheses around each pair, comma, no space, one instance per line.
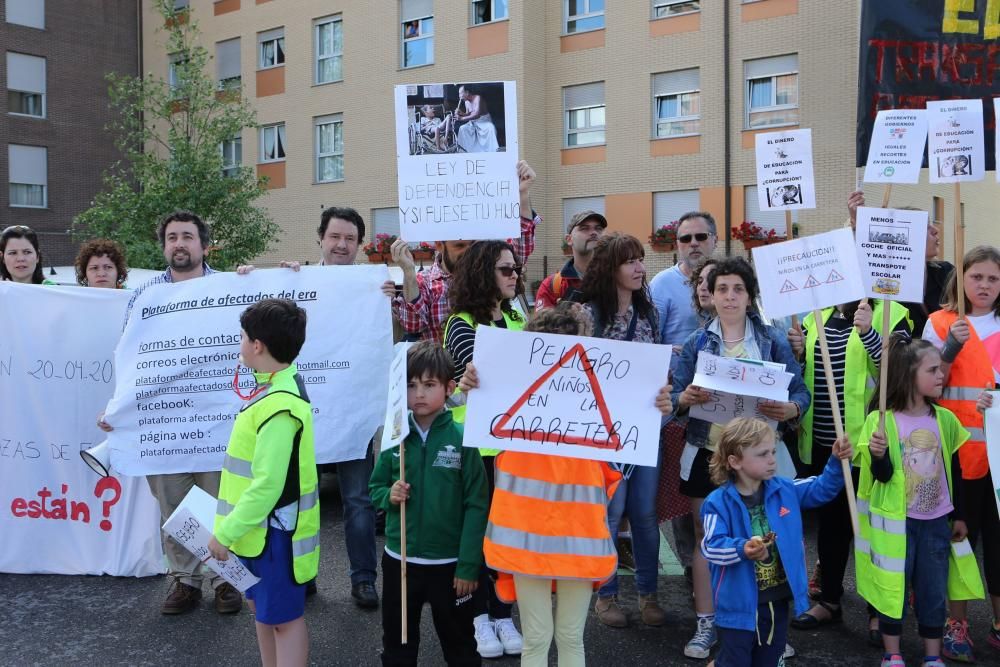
(753,541)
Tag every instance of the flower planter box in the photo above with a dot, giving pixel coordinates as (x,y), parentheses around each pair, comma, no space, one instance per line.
(377,257)
(423,255)
(567,251)
(755,243)
(660,246)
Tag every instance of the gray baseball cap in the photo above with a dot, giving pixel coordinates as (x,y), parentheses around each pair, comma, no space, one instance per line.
(586,215)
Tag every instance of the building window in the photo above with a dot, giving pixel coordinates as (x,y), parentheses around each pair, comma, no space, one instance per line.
(677,103)
(575,205)
(584,112)
(665,8)
(272,143)
(386,221)
(766,219)
(583,15)
(772,96)
(232,156)
(329,149)
(30,13)
(227,64)
(417,32)
(181,5)
(28,175)
(25,85)
(670,206)
(329,49)
(175,71)
(271,48)
(484,11)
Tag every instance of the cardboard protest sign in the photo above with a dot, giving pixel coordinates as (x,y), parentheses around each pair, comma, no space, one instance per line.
(785,171)
(897,146)
(174,404)
(56,376)
(738,387)
(397,422)
(192,524)
(991,423)
(456,149)
(955,150)
(587,398)
(808,273)
(891,247)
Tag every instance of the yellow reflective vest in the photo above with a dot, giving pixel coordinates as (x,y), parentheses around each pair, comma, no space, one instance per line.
(245,477)
(880,549)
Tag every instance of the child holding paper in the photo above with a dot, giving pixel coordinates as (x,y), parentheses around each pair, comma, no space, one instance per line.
(753,541)
(268,511)
(445,522)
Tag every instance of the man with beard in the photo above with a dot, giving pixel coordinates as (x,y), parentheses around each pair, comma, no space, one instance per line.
(184,238)
(423,307)
(584,229)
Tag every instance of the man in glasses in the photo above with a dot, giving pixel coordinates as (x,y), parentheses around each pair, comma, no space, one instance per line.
(585,228)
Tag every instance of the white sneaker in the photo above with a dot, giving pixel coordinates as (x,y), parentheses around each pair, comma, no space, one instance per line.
(487,644)
(789,651)
(508,635)
(704,639)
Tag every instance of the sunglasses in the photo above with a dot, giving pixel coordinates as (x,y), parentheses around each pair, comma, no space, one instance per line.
(700,236)
(508,271)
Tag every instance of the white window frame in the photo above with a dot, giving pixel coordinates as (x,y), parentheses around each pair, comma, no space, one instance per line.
(335,119)
(493,12)
(221,84)
(420,36)
(279,49)
(279,130)
(579,17)
(44,186)
(42,94)
(231,168)
(664,4)
(317,57)
(41,116)
(586,128)
(173,75)
(27,13)
(658,120)
(774,106)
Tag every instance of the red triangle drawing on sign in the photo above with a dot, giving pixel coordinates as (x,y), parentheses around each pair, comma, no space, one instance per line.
(834,277)
(811,282)
(788,287)
(499,429)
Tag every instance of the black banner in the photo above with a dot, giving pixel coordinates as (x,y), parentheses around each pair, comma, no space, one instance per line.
(913,51)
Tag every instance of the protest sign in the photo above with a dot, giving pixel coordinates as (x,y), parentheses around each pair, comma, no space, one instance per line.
(996,149)
(588,398)
(192,525)
(912,51)
(808,273)
(397,423)
(891,247)
(955,151)
(174,403)
(897,146)
(991,422)
(56,376)
(738,387)
(456,149)
(785,171)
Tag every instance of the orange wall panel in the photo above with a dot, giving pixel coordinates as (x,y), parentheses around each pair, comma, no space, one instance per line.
(226,6)
(713,200)
(631,213)
(769,9)
(739,209)
(270,81)
(676,146)
(489,39)
(581,41)
(274,172)
(586,155)
(675,25)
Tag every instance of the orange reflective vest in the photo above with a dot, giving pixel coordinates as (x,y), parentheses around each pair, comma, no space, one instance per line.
(549,519)
(971,373)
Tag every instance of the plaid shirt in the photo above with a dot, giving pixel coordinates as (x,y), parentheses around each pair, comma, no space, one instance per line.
(165,277)
(427,314)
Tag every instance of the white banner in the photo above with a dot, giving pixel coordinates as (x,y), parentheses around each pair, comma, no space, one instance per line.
(738,387)
(896,152)
(56,376)
(785,170)
(955,149)
(588,398)
(891,247)
(174,403)
(992,426)
(456,150)
(808,273)
(397,423)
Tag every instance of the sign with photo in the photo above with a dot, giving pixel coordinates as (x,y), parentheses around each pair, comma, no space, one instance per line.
(891,253)
(785,171)
(955,150)
(456,150)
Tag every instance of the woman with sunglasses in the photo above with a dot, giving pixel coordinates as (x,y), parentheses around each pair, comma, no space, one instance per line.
(22,260)
(485,281)
(101,263)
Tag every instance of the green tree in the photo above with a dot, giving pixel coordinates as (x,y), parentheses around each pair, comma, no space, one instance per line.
(170,135)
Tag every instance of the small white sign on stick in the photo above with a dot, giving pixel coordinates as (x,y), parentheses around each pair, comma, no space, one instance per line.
(397,423)
(738,387)
(785,171)
(586,398)
(996,147)
(992,424)
(896,152)
(808,273)
(955,149)
(191,525)
(891,247)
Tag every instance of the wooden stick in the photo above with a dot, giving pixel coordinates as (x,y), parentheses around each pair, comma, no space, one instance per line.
(883,371)
(402,543)
(885,195)
(838,422)
(788,237)
(959,241)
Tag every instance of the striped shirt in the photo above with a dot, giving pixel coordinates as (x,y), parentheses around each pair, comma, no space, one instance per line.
(459,342)
(165,277)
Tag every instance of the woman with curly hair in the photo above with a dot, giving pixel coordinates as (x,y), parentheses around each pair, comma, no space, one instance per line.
(485,279)
(101,263)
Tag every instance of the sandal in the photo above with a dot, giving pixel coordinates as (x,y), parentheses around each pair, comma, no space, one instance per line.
(808,622)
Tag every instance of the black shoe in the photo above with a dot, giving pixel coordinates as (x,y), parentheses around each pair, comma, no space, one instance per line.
(311,588)
(364,595)
(806,621)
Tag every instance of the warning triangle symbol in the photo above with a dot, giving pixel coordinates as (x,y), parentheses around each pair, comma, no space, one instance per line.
(834,277)
(788,287)
(612,441)
(811,281)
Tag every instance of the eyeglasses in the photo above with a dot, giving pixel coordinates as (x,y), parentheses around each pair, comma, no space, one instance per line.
(508,271)
(700,236)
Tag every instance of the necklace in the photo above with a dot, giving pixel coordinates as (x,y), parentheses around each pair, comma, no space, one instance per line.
(735,340)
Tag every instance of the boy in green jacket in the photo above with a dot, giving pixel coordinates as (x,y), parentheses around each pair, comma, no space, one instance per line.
(446,502)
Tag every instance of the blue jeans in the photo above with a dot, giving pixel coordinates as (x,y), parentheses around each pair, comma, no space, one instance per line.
(928,543)
(636,497)
(359,519)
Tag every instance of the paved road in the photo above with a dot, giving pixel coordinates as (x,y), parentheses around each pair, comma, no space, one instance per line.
(53,620)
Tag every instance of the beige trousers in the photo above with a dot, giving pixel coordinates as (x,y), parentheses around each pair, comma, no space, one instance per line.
(169,490)
(534,600)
